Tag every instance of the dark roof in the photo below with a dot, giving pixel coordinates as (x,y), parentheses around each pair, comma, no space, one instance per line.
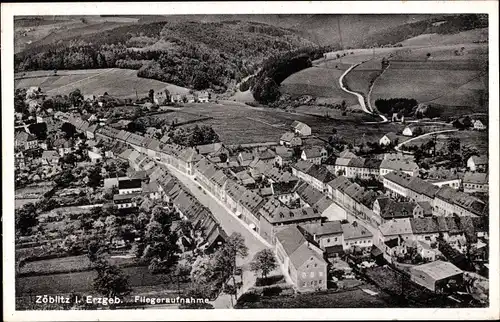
(426,225)
(324,228)
(321,173)
(393,209)
(129,184)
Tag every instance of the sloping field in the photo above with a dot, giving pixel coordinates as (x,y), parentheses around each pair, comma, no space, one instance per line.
(117,82)
(469,36)
(433,81)
(317,82)
(239,124)
(478,139)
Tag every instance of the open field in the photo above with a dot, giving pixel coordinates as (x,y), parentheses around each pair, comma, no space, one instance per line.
(317,82)
(30,32)
(478,139)
(82,282)
(116,82)
(469,36)
(355,298)
(64,264)
(239,124)
(176,117)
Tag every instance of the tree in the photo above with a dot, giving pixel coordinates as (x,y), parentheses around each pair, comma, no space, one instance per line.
(151,95)
(26,218)
(263,262)
(76,98)
(233,248)
(94,177)
(39,130)
(68,129)
(110,280)
(453,145)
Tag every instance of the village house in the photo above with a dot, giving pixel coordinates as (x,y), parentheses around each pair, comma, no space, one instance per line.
(301,260)
(314,154)
(50,157)
(305,195)
(476,163)
(25,141)
(301,129)
(129,186)
(94,157)
(300,168)
(478,125)
(289,139)
(400,184)
(389,138)
(390,230)
(475,182)
(327,234)
(63,146)
(202,97)
(160,97)
(444,177)
(389,209)
(274,214)
(355,235)
(283,156)
(336,187)
(187,159)
(449,202)
(125,201)
(406,166)
(436,276)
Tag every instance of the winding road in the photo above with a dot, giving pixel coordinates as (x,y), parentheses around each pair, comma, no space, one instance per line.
(360,97)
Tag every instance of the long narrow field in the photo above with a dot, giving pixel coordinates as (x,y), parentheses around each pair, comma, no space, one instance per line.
(116,82)
(239,124)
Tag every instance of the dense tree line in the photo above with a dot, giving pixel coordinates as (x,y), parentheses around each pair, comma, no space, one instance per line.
(197,135)
(277,68)
(404,106)
(190,54)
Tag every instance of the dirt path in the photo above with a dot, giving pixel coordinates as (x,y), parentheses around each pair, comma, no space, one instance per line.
(360,97)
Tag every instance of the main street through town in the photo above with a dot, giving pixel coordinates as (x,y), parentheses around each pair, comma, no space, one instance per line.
(230,224)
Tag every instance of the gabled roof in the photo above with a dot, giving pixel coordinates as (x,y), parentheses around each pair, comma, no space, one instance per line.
(339,181)
(347,154)
(296,246)
(399,165)
(426,206)
(343,162)
(251,201)
(24,137)
(284,152)
(394,209)
(189,155)
(313,152)
(135,139)
(308,193)
(354,231)
(299,126)
(438,270)
(50,154)
(391,136)
(129,184)
(479,160)
(320,173)
(323,229)
(208,148)
(276,212)
(396,227)
(357,163)
(426,225)
(302,166)
(475,178)
(108,132)
(287,136)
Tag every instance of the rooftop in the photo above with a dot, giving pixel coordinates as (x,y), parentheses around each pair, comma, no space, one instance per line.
(438,270)
(325,228)
(355,230)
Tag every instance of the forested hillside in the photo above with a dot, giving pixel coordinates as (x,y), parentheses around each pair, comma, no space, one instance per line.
(191,54)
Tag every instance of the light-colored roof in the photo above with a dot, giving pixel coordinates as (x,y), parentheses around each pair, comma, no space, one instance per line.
(50,154)
(324,228)
(479,160)
(475,178)
(399,165)
(313,152)
(342,162)
(437,270)
(287,136)
(396,227)
(296,246)
(354,231)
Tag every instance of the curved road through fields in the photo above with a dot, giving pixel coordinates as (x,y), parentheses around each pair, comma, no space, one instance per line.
(360,97)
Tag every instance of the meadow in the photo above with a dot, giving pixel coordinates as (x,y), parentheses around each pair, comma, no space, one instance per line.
(318,82)
(239,124)
(122,83)
(478,139)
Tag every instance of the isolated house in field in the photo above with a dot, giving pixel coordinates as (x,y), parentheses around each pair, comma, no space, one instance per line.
(475,163)
(203,97)
(478,125)
(160,97)
(435,276)
(412,131)
(389,138)
(289,139)
(301,128)
(301,260)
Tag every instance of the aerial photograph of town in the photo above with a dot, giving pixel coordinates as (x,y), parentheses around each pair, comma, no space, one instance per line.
(217,161)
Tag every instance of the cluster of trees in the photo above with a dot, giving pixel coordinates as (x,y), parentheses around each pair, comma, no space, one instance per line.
(197,135)
(26,218)
(402,106)
(277,68)
(199,55)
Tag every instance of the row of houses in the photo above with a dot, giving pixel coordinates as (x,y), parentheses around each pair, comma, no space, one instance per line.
(445,200)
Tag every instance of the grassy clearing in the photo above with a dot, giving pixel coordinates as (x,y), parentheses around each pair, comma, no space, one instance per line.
(468,36)
(117,82)
(348,299)
(239,124)
(317,82)
(65,264)
(473,138)
(424,85)
(82,282)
